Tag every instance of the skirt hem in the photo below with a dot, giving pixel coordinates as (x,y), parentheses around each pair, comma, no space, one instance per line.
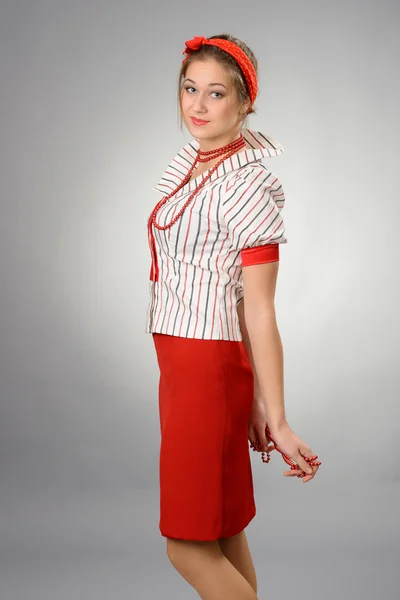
(224,534)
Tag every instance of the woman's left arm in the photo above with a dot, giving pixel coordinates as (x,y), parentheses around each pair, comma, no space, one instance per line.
(264,348)
(262,339)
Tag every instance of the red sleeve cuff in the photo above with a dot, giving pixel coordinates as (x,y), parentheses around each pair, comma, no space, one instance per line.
(259,254)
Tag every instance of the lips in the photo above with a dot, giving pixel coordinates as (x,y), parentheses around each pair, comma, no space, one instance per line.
(198,121)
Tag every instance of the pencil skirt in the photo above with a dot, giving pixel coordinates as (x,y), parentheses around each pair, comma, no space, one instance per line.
(205,398)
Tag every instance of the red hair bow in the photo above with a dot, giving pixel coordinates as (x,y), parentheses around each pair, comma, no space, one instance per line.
(195,44)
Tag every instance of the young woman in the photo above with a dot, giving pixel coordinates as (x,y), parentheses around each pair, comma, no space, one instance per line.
(214,240)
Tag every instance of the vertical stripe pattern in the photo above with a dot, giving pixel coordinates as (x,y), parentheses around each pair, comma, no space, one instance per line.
(199,257)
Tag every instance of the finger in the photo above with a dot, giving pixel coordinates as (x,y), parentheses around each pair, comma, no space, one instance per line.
(308,477)
(302,463)
(292,473)
(295,472)
(252,435)
(254,438)
(305,451)
(261,433)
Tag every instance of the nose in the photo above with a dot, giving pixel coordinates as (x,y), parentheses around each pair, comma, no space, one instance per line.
(199,104)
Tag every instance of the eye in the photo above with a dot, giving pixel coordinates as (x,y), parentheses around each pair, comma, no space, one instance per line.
(187,88)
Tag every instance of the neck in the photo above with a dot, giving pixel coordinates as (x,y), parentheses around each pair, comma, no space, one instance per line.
(207,144)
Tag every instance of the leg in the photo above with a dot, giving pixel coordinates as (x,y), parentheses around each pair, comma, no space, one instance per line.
(209,572)
(237,551)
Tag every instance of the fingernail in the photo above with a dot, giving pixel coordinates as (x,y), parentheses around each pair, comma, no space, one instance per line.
(309,470)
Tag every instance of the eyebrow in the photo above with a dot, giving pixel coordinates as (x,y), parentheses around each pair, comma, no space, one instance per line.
(209,85)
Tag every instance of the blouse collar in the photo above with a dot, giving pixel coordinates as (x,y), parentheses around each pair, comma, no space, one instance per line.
(258,146)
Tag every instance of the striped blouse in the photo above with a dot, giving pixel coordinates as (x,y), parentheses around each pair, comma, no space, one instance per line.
(233,221)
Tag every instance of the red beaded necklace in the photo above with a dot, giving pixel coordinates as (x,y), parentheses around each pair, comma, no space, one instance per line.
(225,151)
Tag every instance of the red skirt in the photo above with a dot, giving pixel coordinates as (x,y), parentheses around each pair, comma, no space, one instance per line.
(205,397)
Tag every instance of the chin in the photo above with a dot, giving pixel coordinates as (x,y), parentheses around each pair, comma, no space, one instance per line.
(197,131)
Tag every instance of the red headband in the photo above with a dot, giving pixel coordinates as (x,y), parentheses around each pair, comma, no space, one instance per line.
(241,58)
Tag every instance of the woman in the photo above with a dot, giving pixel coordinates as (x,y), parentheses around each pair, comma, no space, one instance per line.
(214,239)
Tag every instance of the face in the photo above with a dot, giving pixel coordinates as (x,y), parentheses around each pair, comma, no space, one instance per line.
(206,96)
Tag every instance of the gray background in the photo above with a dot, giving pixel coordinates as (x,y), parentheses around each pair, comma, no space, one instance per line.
(88,124)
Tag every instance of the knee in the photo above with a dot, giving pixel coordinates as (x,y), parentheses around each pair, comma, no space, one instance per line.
(190,557)
(172,550)
(179,557)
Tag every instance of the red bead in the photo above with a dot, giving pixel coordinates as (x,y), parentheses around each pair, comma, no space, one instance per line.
(293,466)
(210,154)
(227,151)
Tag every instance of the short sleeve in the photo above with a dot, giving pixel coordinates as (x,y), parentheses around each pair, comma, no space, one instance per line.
(252,210)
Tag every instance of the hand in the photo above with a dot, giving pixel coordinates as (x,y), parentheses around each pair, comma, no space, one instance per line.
(291,445)
(257,426)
